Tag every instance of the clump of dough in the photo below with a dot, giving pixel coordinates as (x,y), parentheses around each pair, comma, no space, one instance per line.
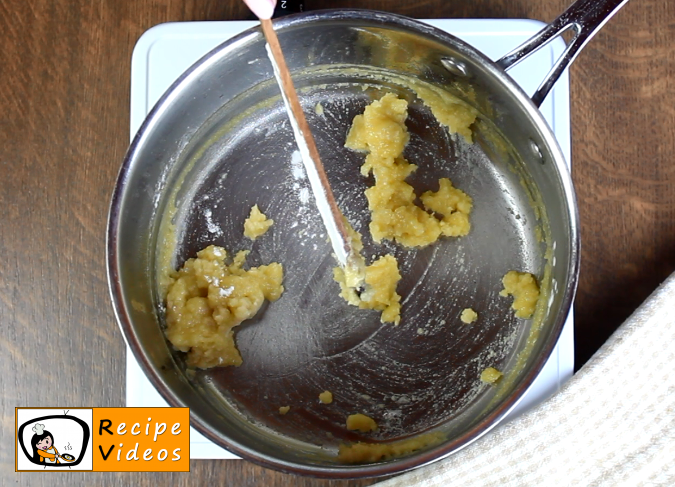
(381,132)
(256,224)
(207,299)
(468,316)
(381,279)
(361,422)
(525,290)
(326,397)
(284,409)
(490,375)
(453,204)
(372,452)
(378,281)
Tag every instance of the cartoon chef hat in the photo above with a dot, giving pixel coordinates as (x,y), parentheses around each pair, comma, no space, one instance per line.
(38,428)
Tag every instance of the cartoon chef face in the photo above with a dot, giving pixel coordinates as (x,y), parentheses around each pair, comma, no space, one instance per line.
(45,443)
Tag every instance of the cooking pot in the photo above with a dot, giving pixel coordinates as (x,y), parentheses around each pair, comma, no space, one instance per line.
(218,142)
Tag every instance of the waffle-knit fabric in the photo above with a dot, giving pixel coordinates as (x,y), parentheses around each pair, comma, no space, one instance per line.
(612,424)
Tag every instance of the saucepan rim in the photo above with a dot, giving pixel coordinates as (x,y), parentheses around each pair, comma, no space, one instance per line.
(374,19)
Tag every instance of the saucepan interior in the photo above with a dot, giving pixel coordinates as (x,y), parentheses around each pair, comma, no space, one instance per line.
(219,142)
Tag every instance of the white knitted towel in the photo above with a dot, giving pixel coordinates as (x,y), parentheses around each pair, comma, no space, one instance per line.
(612,424)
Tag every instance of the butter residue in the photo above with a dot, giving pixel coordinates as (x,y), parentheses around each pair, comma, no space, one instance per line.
(326,397)
(490,375)
(453,204)
(448,110)
(381,278)
(362,452)
(523,287)
(208,299)
(381,132)
(361,422)
(373,286)
(468,316)
(256,224)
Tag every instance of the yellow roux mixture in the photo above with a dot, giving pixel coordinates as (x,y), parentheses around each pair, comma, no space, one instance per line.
(468,316)
(326,397)
(256,224)
(374,452)
(525,290)
(361,422)
(380,280)
(381,133)
(207,298)
(490,375)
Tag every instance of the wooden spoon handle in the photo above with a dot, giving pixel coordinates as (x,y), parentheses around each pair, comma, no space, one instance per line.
(299,115)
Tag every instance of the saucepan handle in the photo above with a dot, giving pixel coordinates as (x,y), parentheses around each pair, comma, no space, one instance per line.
(585,18)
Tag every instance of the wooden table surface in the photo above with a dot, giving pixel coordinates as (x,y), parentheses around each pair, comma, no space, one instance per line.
(64,118)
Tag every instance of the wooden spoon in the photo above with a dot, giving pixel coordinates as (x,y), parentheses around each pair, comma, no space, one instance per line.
(330,213)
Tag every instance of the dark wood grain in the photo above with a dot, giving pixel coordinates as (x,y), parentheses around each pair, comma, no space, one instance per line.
(64,95)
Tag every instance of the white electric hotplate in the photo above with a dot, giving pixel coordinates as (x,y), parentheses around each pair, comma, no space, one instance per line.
(165,51)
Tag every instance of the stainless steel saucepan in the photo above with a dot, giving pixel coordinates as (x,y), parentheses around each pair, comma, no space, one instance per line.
(219,142)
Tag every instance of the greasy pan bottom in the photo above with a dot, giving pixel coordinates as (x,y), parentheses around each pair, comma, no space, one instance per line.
(411,378)
(219,142)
